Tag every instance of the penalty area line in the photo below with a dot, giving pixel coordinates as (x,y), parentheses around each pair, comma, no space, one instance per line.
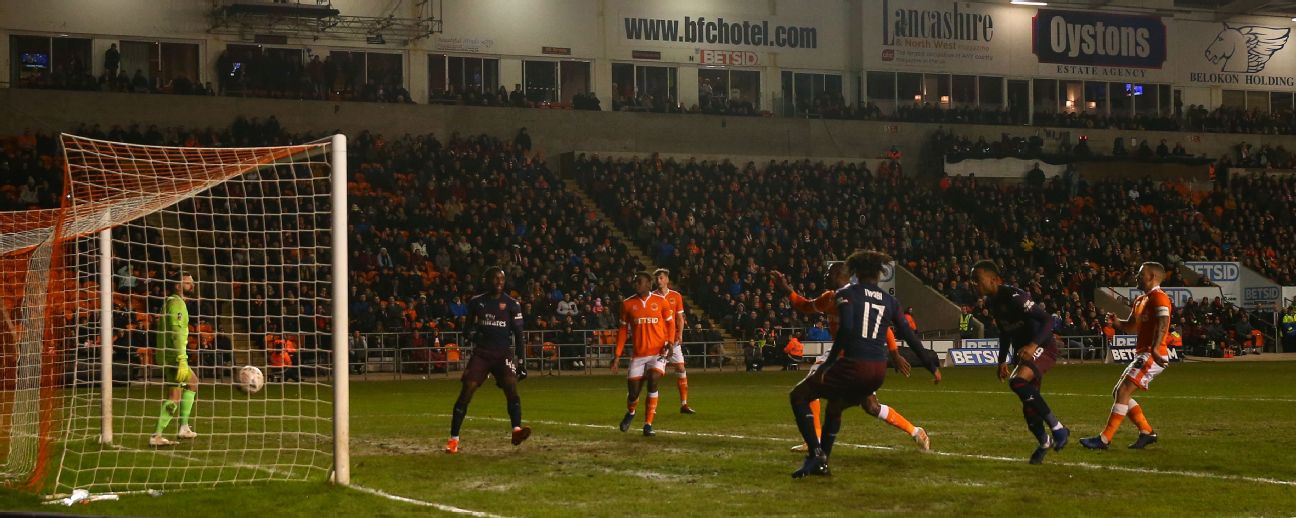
(946,454)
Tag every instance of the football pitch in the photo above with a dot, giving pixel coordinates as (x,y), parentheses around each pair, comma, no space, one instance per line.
(1225,430)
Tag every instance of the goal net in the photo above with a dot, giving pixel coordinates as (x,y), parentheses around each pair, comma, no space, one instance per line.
(82,289)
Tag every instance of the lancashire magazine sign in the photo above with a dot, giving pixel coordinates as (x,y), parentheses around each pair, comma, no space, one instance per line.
(934,35)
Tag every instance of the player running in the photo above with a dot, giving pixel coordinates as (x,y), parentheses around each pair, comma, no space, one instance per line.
(675,357)
(855,367)
(823,304)
(1028,329)
(649,317)
(1150,318)
(180,384)
(494,319)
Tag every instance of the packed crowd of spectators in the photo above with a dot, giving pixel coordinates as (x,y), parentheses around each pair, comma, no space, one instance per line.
(955,147)
(429,217)
(1192,118)
(724,226)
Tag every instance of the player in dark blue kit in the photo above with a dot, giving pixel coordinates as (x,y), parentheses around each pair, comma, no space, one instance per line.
(1027,328)
(856,365)
(494,321)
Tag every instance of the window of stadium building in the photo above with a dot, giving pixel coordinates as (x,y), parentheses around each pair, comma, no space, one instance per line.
(990,91)
(963,92)
(258,69)
(1258,101)
(1280,102)
(1019,99)
(45,62)
(171,67)
(728,90)
(573,78)
(1233,99)
(450,76)
(644,88)
(1122,98)
(1046,96)
(360,74)
(810,93)
(555,81)
(881,89)
(1095,98)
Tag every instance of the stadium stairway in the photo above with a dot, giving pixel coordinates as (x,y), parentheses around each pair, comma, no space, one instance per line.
(183,246)
(731,346)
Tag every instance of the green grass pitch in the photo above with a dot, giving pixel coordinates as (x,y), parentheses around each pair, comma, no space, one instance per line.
(1225,449)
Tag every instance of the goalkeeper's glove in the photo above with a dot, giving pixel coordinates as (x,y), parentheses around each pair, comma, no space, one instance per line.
(183,374)
(521,370)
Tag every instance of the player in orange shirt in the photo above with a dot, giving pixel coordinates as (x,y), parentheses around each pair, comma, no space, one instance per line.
(648,316)
(675,356)
(826,304)
(1150,319)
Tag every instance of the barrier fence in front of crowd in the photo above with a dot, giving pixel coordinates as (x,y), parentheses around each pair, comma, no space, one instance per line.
(558,352)
(549,352)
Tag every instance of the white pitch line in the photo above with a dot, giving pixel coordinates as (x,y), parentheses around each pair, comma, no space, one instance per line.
(1146,396)
(424,503)
(1085,465)
(362,489)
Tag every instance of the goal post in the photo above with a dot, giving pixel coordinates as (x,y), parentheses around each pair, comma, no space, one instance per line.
(341,356)
(263,234)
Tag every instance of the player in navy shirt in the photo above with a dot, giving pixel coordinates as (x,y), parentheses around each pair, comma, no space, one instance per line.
(494,323)
(1027,330)
(856,365)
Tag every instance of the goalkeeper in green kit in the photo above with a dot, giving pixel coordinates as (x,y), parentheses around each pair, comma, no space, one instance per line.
(180,384)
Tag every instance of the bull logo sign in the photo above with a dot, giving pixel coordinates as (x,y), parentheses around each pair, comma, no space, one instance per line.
(1246,48)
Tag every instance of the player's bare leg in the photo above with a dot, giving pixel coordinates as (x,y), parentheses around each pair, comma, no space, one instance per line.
(633,387)
(892,417)
(520,433)
(188,396)
(651,377)
(460,411)
(681,381)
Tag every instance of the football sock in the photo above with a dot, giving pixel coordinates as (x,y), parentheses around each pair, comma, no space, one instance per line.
(814,409)
(1136,415)
(652,407)
(457,417)
(893,418)
(1030,395)
(515,412)
(164,417)
(1114,421)
(1035,425)
(682,383)
(831,426)
(805,420)
(632,405)
(186,405)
